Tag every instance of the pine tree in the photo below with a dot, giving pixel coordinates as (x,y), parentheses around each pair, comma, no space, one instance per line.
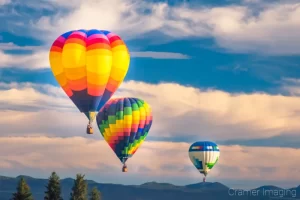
(95,194)
(79,190)
(53,191)
(23,191)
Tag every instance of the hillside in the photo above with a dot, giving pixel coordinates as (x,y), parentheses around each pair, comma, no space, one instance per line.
(146,191)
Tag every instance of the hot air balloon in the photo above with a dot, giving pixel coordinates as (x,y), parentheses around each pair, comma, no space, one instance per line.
(89,65)
(124,123)
(204,155)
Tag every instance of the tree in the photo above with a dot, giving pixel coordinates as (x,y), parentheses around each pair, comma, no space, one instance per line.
(79,190)
(95,194)
(23,191)
(53,191)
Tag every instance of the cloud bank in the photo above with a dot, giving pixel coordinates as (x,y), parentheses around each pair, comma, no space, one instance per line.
(271,28)
(154,160)
(181,113)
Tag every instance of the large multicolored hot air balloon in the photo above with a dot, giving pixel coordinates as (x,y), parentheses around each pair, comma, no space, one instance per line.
(204,155)
(89,65)
(124,123)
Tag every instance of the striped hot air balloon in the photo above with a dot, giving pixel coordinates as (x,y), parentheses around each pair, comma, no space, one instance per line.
(204,155)
(124,123)
(89,65)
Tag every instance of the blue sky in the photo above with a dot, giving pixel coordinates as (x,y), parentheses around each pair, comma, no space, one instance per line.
(226,71)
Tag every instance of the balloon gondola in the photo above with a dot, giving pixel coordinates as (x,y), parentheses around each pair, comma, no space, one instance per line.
(124,168)
(89,129)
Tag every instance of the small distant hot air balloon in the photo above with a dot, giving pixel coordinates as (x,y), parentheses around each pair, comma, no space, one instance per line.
(204,155)
(124,123)
(89,65)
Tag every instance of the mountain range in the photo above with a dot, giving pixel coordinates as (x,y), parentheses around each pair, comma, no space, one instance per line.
(153,190)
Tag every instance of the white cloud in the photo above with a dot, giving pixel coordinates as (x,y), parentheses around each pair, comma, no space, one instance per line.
(12,46)
(4,2)
(291,86)
(36,60)
(159,55)
(31,112)
(39,58)
(217,114)
(273,29)
(179,111)
(117,15)
(36,57)
(163,160)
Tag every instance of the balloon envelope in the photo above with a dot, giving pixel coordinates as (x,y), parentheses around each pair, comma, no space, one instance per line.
(204,155)
(89,65)
(124,123)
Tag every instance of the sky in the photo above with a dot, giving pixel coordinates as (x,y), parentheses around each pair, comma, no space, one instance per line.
(225,71)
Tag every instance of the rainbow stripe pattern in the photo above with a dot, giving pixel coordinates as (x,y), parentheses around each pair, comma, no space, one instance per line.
(89,65)
(124,123)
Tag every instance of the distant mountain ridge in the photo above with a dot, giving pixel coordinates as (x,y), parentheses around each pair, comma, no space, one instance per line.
(148,191)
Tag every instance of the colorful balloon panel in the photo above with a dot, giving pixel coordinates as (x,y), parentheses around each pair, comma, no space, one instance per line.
(204,155)
(124,123)
(89,65)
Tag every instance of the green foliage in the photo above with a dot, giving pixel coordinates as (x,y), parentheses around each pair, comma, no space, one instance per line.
(23,191)
(53,191)
(95,194)
(79,190)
